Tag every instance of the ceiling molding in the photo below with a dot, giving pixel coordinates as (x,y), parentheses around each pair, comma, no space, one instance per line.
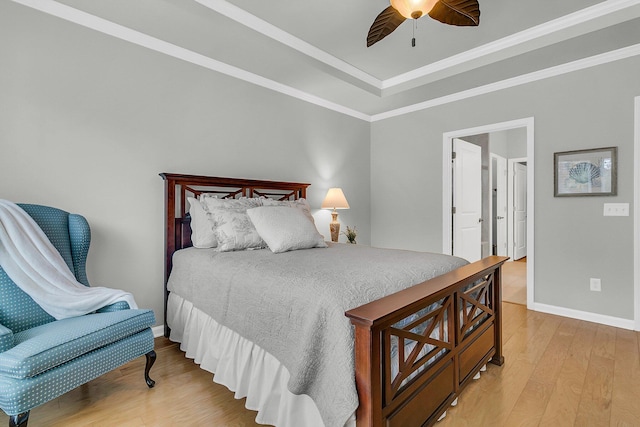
(243,17)
(524,41)
(87,20)
(556,30)
(136,37)
(546,73)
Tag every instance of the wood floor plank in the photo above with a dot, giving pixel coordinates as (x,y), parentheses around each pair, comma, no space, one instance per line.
(533,400)
(514,282)
(556,352)
(564,401)
(595,402)
(516,317)
(605,342)
(534,344)
(625,408)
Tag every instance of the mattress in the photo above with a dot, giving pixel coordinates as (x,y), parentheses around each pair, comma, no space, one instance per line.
(292,305)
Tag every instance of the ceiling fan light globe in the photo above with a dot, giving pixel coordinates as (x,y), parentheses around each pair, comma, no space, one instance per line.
(413,9)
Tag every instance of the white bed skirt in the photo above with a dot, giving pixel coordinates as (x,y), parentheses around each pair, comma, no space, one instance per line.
(242,367)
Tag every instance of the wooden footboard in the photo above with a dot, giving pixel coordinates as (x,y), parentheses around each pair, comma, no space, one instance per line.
(441,332)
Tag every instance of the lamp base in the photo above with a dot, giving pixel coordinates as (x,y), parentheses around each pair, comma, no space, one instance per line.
(334,227)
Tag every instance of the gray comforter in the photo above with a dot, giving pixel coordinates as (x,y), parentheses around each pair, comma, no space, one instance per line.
(292,305)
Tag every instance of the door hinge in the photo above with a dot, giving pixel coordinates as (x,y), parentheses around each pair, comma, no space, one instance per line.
(453,210)
(453,155)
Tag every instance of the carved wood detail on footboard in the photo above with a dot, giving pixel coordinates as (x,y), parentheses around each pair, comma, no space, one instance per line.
(417,349)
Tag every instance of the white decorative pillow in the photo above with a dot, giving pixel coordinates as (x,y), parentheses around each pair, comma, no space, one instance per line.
(202,235)
(301,204)
(234,230)
(285,228)
(211,203)
(203,196)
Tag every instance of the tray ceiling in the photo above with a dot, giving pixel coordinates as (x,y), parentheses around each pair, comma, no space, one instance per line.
(317,51)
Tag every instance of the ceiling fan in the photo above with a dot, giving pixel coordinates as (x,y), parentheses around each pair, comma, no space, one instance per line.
(452,12)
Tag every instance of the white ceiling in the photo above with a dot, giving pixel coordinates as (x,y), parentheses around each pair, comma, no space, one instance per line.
(317,51)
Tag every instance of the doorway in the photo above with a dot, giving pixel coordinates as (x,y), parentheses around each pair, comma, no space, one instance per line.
(527,228)
(467,199)
(517,212)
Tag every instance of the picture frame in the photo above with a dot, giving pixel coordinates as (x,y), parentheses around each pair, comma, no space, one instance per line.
(592,172)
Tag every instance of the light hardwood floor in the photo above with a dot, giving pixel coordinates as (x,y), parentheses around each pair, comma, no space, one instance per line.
(557,372)
(514,282)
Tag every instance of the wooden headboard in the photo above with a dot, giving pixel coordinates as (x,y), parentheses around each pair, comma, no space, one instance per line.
(178,187)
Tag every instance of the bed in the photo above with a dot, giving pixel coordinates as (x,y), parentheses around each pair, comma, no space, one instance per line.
(401,355)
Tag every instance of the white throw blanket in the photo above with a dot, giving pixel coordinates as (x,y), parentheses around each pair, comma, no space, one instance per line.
(34,264)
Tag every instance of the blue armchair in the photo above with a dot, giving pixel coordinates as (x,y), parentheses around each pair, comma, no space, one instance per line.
(42,358)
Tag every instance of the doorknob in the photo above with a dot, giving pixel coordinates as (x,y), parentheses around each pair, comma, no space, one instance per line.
(499,217)
(480,219)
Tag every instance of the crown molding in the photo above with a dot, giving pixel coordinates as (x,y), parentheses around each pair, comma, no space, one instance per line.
(104,26)
(121,32)
(532,38)
(549,32)
(245,18)
(546,73)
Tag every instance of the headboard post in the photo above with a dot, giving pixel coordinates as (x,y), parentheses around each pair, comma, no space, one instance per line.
(177,221)
(169,236)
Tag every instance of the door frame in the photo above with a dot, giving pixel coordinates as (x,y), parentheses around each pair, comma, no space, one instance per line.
(511,240)
(636,219)
(492,173)
(447,204)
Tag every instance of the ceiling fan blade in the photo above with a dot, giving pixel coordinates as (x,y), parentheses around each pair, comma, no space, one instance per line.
(384,24)
(457,12)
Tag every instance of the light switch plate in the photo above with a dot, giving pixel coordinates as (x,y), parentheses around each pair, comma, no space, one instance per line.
(616,209)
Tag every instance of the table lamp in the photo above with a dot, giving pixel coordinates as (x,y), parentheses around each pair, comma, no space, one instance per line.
(335,200)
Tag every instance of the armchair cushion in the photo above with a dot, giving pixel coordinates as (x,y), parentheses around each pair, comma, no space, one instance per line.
(47,346)
(6,338)
(120,305)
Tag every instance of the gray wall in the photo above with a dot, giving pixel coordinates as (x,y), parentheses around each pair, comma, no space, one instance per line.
(88,121)
(584,109)
(510,144)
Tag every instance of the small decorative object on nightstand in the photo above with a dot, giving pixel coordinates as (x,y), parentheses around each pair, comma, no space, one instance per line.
(351,234)
(335,200)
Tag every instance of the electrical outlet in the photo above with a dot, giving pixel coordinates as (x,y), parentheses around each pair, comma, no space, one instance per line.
(595,285)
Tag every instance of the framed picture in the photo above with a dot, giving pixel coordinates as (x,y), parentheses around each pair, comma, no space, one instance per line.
(586,172)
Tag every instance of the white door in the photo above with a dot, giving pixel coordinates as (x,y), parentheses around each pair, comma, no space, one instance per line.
(467,200)
(519,211)
(501,206)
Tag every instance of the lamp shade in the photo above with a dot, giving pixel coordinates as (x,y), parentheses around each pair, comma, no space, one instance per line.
(335,200)
(413,9)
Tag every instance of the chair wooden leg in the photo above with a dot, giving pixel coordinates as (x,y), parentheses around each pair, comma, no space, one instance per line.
(19,420)
(151,359)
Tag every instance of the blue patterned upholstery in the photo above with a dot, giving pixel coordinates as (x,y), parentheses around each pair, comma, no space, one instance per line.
(6,338)
(42,358)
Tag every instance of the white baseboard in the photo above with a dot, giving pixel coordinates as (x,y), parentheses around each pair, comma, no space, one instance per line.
(585,315)
(158,331)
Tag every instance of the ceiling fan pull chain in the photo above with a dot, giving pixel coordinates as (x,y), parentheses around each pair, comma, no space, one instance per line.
(413,40)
